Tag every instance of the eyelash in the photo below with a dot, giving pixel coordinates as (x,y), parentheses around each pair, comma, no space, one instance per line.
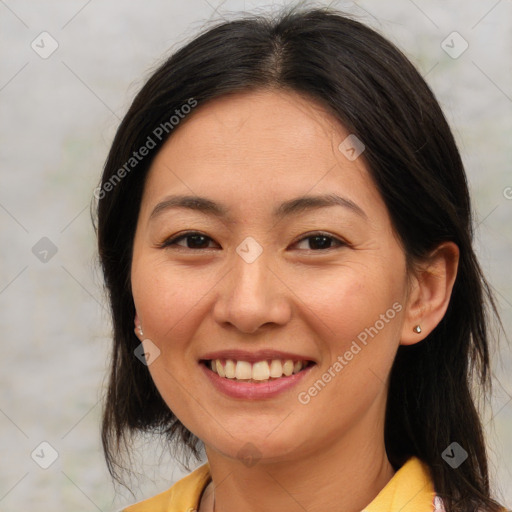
(173,241)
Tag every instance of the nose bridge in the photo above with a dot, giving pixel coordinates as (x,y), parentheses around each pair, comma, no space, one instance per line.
(252,295)
(250,266)
(250,284)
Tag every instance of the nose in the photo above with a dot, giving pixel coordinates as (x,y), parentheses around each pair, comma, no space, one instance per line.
(252,295)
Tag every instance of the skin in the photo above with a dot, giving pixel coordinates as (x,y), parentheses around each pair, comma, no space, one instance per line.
(250,152)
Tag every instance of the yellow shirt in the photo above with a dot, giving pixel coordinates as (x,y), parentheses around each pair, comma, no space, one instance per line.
(410,490)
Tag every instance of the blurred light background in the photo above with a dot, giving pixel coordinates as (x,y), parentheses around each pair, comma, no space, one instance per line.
(58,115)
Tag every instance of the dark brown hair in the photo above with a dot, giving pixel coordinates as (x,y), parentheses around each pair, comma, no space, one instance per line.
(377,94)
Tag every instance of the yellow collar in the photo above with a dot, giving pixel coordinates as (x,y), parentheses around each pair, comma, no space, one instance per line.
(410,490)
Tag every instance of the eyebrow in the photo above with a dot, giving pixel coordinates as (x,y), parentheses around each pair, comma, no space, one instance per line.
(285,209)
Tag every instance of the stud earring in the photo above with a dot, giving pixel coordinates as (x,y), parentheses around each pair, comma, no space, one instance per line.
(141,331)
(417,329)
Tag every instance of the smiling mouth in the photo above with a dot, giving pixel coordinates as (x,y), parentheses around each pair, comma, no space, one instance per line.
(260,371)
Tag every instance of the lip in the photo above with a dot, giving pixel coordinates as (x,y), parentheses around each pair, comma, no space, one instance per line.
(254,390)
(254,357)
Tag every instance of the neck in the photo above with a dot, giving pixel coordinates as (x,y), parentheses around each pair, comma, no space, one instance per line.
(345,475)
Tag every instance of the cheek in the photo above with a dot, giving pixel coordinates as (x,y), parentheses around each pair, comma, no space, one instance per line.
(170,301)
(167,297)
(355,313)
(347,299)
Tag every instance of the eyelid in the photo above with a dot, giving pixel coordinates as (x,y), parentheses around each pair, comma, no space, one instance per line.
(340,241)
(172,241)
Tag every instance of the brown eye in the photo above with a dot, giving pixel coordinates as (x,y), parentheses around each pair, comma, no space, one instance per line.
(194,240)
(321,241)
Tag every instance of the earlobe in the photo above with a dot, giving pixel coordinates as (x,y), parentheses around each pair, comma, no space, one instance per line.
(138,326)
(430,293)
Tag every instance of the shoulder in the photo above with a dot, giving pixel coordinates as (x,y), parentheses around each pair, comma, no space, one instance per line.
(182,496)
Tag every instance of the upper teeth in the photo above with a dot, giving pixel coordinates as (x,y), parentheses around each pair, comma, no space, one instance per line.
(260,370)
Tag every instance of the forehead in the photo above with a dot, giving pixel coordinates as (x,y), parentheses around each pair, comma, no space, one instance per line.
(260,121)
(254,146)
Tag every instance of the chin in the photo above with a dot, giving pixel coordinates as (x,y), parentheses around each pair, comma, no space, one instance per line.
(256,447)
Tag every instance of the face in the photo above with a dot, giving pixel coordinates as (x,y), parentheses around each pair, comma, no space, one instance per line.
(270,280)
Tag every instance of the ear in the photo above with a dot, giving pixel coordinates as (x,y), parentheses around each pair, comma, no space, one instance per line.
(429,292)
(137,325)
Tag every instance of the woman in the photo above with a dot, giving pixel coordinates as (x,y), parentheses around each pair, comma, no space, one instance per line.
(285,232)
